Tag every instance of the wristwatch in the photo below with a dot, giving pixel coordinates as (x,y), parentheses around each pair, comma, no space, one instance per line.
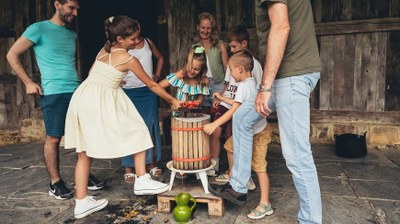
(264,89)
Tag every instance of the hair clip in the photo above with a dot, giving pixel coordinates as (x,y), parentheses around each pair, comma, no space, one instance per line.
(110,19)
(199,50)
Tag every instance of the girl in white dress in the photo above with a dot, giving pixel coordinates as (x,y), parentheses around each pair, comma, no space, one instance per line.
(102,121)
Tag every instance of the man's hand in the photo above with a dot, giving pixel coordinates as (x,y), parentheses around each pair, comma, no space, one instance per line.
(33,89)
(261,103)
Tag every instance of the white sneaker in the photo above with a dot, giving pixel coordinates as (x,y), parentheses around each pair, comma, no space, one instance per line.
(87,206)
(251,185)
(144,185)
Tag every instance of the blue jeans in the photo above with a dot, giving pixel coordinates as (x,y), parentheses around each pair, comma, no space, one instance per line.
(291,100)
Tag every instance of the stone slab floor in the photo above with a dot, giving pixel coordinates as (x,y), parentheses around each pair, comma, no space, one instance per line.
(363,190)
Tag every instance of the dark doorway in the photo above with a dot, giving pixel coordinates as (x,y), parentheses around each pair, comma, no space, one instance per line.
(91,25)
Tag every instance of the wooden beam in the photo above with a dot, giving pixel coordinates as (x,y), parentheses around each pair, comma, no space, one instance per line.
(358,26)
(391,118)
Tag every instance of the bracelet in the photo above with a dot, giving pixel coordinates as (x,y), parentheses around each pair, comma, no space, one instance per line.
(264,89)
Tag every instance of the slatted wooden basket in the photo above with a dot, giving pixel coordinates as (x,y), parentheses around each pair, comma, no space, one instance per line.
(190,144)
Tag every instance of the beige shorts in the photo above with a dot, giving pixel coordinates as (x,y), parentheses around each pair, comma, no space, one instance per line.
(260,149)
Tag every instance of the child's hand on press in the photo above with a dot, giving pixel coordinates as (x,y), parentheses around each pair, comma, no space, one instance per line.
(209,128)
(176,104)
(216,103)
(217,96)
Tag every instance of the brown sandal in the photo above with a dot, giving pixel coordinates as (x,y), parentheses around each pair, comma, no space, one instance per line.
(155,172)
(129,178)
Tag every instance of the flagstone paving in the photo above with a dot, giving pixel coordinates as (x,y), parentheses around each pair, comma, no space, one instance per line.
(362,190)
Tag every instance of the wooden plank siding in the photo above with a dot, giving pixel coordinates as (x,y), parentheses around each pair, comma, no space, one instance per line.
(181,27)
(372,54)
(15,104)
(359,44)
(358,26)
(346,10)
(354,59)
(392,88)
(353,76)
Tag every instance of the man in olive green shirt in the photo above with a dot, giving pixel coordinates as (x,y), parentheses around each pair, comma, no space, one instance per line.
(292,69)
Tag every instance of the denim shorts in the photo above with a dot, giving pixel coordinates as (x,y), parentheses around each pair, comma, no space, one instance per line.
(54,109)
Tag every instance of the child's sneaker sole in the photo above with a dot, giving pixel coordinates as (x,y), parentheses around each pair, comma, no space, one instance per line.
(151,191)
(90,211)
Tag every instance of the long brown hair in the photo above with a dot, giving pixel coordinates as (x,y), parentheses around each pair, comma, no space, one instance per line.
(116,26)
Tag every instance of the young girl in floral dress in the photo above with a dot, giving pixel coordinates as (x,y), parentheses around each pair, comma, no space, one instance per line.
(190,82)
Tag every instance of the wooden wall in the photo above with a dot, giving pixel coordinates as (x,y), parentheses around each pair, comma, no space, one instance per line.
(15,16)
(359,43)
(359,48)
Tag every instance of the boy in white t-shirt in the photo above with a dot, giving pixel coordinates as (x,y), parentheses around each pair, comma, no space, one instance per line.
(262,138)
(240,64)
(238,39)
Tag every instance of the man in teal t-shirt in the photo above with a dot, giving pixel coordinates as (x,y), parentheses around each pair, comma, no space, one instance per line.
(55,55)
(54,44)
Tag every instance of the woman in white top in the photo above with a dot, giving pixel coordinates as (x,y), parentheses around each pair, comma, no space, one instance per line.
(146,103)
